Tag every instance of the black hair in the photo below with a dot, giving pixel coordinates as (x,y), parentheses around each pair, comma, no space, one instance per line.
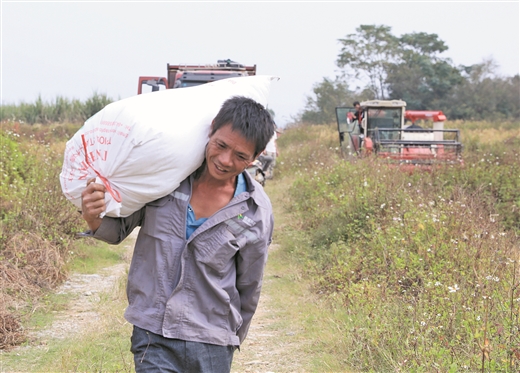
(356,103)
(249,118)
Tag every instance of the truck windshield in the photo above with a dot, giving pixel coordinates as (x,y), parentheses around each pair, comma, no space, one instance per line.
(384,117)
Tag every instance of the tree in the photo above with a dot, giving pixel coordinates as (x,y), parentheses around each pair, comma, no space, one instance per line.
(420,76)
(328,94)
(409,67)
(412,68)
(368,54)
(484,95)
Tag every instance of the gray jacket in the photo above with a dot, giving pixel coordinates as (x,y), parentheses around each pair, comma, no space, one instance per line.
(204,289)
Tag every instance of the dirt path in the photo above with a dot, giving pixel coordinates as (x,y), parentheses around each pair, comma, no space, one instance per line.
(81,312)
(86,290)
(264,351)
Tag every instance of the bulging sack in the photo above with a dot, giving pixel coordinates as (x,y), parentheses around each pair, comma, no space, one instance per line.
(142,147)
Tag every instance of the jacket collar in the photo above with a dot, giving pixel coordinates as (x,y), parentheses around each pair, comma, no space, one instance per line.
(254,190)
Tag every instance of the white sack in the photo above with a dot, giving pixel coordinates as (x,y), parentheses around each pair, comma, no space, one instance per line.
(142,147)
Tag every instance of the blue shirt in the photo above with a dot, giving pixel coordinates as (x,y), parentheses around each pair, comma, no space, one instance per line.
(192,224)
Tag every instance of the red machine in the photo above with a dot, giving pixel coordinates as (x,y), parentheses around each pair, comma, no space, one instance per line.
(385,130)
(180,76)
(414,115)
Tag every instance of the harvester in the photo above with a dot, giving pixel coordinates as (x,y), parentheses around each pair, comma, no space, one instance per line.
(181,76)
(392,133)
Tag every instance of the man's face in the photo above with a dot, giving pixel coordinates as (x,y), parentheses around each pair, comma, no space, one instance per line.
(228,153)
(358,107)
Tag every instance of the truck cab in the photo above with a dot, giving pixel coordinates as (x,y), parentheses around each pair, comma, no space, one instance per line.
(182,76)
(378,115)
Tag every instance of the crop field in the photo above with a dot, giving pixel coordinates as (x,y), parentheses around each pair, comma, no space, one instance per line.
(414,272)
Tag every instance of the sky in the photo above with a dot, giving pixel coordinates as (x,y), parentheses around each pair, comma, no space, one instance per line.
(74,49)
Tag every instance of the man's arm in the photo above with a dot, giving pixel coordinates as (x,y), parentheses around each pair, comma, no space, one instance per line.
(250,270)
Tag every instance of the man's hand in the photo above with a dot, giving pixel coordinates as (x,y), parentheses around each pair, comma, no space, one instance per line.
(93,203)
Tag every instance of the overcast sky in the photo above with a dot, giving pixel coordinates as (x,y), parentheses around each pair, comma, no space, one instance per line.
(73,49)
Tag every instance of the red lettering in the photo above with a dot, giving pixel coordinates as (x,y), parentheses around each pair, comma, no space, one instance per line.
(83,166)
(104,140)
(102,154)
(93,157)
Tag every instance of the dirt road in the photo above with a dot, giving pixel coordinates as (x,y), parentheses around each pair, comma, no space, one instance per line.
(272,345)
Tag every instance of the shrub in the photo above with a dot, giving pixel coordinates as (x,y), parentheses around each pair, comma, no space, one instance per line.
(38,225)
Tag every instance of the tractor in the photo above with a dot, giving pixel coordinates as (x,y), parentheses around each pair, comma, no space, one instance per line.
(391,132)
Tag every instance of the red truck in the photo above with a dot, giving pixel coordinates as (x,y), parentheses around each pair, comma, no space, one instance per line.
(181,76)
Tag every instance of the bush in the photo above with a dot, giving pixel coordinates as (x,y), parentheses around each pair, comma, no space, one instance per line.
(38,224)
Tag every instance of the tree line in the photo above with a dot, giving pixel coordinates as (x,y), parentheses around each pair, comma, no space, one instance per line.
(412,68)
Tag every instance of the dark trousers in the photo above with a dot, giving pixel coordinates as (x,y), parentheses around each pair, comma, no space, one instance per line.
(155,353)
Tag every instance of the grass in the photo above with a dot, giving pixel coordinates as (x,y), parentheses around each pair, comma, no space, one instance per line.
(93,255)
(37,225)
(61,110)
(104,347)
(422,268)
(42,315)
(375,271)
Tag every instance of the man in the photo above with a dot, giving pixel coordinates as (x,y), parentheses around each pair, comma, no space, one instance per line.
(196,272)
(268,157)
(359,115)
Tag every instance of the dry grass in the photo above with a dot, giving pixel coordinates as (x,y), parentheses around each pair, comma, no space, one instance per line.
(37,224)
(29,265)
